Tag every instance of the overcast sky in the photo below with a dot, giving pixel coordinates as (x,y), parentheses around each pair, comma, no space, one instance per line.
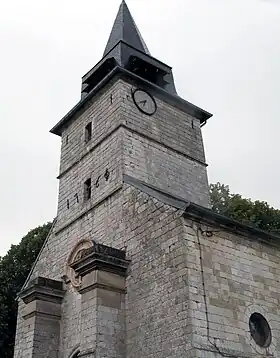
(225,57)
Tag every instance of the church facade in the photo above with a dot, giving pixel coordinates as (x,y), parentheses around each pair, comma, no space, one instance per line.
(136,264)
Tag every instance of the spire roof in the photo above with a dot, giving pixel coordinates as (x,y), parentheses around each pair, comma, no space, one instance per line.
(125,30)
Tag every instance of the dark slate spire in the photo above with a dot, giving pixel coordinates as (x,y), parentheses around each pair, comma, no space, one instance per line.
(125,29)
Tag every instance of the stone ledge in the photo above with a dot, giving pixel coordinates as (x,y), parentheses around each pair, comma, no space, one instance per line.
(101,257)
(139,133)
(43,289)
(103,287)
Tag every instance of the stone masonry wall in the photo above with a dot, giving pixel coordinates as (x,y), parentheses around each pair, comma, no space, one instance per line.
(169,125)
(165,307)
(22,335)
(150,231)
(169,143)
(103,110)
(126,141)
(107,158)
(241,276)
(164,169)
(113,106)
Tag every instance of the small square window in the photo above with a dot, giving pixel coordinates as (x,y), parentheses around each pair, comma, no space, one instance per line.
(88,132)
(87,189)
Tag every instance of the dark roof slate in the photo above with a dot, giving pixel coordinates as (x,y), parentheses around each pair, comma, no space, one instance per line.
(125,30)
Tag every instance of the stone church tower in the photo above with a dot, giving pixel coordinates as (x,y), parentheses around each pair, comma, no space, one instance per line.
(136,265)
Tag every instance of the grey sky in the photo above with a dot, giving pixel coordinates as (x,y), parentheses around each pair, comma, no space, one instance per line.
(225,57)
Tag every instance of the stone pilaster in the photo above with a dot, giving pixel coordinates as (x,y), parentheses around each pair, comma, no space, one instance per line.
(103,271)
(41,315)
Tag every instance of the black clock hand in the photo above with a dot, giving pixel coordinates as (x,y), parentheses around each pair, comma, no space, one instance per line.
(144,101)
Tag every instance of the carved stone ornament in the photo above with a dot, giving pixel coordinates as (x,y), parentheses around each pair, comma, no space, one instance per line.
(75,255)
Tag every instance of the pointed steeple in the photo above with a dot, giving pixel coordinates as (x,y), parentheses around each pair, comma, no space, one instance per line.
(127,55)
(125,30)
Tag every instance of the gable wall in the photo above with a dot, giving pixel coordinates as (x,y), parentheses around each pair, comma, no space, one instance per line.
(241,276)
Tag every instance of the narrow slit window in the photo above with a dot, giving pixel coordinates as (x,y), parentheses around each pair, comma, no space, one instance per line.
(88,132)
(87,189)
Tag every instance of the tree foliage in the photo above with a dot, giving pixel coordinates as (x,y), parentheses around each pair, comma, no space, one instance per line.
(254,213)
(14,269)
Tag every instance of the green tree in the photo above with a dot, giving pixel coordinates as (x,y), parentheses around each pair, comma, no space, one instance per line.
(254,213)
(14,268)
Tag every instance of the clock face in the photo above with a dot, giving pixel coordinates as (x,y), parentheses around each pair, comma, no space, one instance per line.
(144,102)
